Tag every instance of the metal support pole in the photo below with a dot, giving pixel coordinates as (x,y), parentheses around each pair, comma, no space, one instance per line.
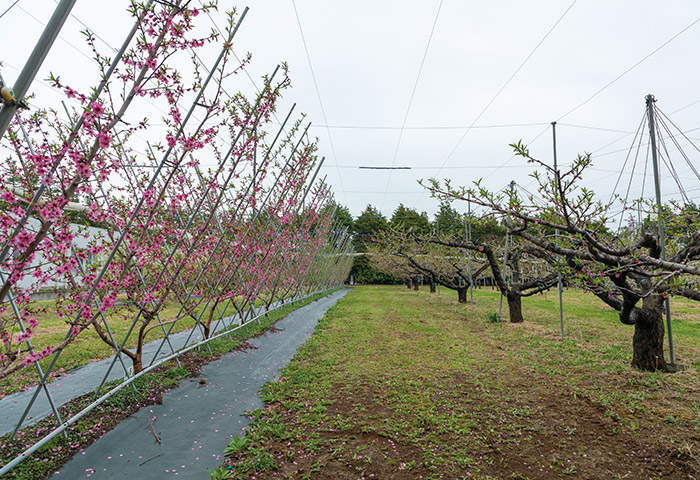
(31,67)
(71,138)
(437,229)
(560,288)
(469,258)
(42,382)
(659,220)
(221,238)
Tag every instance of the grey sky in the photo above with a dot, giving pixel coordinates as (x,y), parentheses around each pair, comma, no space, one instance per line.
(366,57)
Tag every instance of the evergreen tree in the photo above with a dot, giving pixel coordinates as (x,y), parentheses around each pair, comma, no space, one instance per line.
(405,218)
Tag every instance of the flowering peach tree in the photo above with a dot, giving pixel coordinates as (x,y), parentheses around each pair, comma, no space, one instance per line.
(121,224)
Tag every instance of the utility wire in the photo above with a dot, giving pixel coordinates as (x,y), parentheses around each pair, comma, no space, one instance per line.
(683,108)
(88,29)
(588,127)
(318,94)
(458,167)
(428,127)
(606,86)
(663,119)
(517,70)
(600,90)
(9,8)
(638,135)
(61,37)
(410,101)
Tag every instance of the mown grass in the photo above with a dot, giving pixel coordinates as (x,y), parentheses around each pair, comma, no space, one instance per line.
(146,390)
(407,385)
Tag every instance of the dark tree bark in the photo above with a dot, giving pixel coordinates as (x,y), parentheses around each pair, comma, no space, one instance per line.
(648,340)
(462,294)
(514,296)
(515,307)
(432,284)
(416,284)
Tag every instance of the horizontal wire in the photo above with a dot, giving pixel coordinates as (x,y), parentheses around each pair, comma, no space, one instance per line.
(461,167)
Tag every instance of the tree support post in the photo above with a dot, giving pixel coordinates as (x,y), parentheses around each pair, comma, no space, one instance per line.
(560,287)
(662,238)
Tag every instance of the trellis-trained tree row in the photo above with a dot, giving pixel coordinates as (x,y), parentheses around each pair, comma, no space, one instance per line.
(207,212)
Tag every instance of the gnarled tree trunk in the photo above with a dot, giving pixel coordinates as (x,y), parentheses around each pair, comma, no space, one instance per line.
(648,340)
(462,294)
(515,306)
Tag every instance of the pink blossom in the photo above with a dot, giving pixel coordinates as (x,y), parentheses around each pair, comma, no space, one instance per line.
(83,170)
(28,360)
(105,139)
(8,196)
(23,240)
(97,108)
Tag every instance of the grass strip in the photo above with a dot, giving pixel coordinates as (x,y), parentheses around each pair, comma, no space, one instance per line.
(408,385)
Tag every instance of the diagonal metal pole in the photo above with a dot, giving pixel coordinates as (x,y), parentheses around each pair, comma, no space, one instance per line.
(162,164)
(277,228)
(42,384)
(36,58)
(126,168)
(221,238)
(71,137)
(257,213)
(251,224)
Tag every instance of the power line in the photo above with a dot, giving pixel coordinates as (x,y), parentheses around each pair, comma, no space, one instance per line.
(458,167)
(596,128)
(9,8)
(599,91)
(413,94)
(61,37)
(517,70)
(683,108)
(429,127)
(91,31)
(630,69)
(384,168)
(318,94)
(383,191)
(546,129)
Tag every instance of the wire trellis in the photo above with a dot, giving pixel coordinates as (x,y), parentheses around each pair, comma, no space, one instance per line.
(114,228)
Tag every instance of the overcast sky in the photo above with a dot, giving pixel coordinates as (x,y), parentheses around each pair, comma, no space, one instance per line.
(505,68)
